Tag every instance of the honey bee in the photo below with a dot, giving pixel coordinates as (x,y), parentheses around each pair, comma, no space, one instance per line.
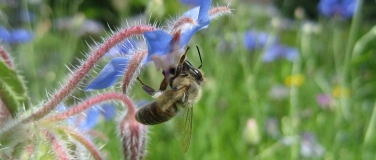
(185,91)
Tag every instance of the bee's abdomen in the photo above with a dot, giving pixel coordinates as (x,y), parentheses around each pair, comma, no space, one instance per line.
(152,114)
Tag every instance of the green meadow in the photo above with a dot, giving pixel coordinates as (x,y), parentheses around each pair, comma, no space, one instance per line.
(318,105)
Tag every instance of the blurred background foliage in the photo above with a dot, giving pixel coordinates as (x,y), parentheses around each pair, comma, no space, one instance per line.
(305,107)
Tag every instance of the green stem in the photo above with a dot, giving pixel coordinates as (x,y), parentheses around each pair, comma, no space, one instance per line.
(355,24)
(294,105)
(370,132)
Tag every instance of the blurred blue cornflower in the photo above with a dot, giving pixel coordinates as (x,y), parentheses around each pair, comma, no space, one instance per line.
(79,24)
(257,40)
(15,36)
(254,40)
(163,49)
(342,9)
(279,51)
(87,121)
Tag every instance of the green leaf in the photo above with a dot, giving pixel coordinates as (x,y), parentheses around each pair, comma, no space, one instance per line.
(366,43)
(12,89)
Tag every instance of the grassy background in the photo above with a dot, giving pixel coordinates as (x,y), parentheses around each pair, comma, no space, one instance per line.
(238,85)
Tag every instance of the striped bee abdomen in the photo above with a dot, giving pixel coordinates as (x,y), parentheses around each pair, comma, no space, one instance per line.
(152,114)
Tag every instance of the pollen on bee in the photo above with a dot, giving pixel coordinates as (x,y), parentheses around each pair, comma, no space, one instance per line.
(157,94)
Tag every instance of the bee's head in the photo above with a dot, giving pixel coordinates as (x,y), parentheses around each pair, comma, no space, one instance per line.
(194,72)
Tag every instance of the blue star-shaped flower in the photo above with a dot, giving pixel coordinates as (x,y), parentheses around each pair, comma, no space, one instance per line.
(167,49)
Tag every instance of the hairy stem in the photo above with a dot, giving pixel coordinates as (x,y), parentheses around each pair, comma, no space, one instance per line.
(133,137)
(4,55)
(4,113)
(132,68)
(90,103)
(85,68)
(84,141)
(59,149)
(218,11)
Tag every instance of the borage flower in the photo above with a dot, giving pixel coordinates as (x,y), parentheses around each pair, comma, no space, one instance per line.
(164,47)
(120,55)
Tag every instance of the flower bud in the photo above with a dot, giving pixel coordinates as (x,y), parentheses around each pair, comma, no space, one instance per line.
(133,136)
(251,132)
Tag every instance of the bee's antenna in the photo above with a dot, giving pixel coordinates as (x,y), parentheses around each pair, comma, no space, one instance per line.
(199,54)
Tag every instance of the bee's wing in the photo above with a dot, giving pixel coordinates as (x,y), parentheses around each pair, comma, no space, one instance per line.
(169,97)
(185,128)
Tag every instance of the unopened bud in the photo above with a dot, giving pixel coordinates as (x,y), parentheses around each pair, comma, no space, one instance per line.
(133,136)
(251,132)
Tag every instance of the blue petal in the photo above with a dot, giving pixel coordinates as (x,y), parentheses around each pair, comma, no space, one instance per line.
(4,35)
(326,7)
(279,51)
(192,13)
(203,15)
(21,36)
(109,74)
(291,53)
(349,7)
(62,108)
(108,110)
(202,18)
(256,40)
(191,2)
(159,42)
(344,8)
(272,53)
(92,118)
(186,36)
(122,48)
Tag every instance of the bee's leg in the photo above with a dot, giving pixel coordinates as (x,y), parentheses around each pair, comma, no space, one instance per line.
(185,87)
(169,97)
(179,68)
(182,58)
(164,82)
(147,88)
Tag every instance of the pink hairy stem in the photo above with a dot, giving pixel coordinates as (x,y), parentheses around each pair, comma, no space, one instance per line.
(85,68)
(91,102)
